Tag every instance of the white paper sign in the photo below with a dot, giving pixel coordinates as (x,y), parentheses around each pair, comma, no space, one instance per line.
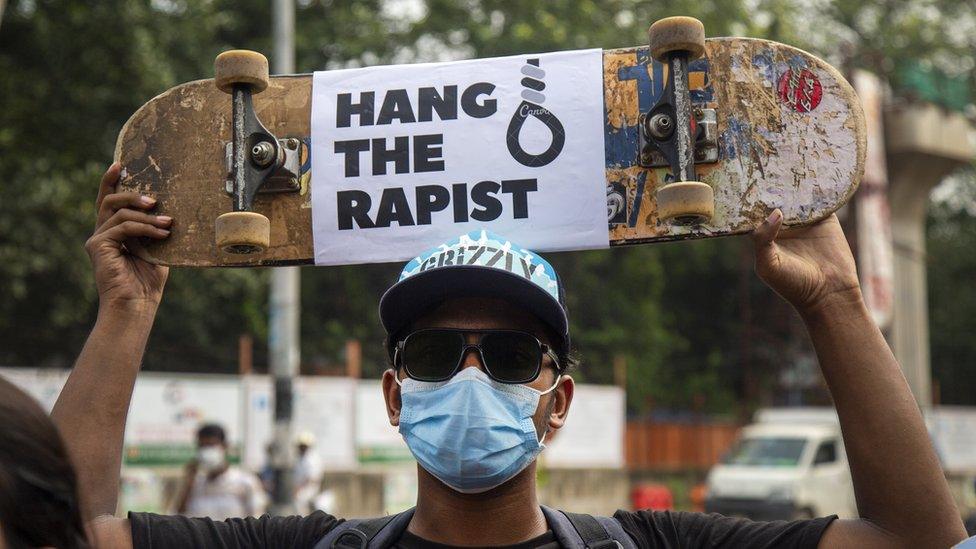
(953,431)
(324,406)
(409,156)
(593,435)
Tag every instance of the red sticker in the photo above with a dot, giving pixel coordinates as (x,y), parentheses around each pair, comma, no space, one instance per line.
(800,90)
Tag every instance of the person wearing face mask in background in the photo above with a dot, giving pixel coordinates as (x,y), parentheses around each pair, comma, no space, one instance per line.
(214,488)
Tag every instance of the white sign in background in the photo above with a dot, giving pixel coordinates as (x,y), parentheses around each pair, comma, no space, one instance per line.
(593,435)
(167,410)
(953,431)
(346,414)
(409,156)
(376,439)
(323,406)
(347,417)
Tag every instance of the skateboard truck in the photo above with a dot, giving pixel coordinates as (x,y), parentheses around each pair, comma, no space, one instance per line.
(281,180)
(257,161)
(706,138)
(674,126)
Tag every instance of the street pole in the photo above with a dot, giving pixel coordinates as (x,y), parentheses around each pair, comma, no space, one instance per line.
(285,306)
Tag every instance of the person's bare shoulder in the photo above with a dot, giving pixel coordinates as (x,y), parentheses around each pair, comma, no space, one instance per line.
(107,532)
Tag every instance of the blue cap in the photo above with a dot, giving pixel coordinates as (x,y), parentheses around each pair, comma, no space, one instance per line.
(477,264)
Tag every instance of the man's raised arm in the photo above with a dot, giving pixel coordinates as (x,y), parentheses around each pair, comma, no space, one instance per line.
(92,408)
(902,496)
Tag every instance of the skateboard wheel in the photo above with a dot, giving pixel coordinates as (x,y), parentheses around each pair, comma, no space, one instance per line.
(676,34)
(685,203)
(243,233)
(241,67)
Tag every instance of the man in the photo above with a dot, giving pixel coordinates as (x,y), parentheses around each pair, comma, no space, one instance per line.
(214,488)
(307,472)
(480,381)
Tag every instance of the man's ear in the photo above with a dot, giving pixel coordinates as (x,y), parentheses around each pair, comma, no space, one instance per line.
(391,394)
(562,398)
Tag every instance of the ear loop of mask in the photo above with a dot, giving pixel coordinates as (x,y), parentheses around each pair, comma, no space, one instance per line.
(396,369)
(559,377)
(542,441)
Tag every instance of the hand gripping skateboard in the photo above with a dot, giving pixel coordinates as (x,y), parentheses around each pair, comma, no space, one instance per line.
(703,138)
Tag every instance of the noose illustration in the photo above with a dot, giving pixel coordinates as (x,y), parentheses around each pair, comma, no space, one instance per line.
(532,100)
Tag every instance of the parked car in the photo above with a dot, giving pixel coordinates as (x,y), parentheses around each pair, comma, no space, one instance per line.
(790,464)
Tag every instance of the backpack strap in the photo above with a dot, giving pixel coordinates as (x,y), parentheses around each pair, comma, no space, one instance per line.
(378,532)
(593,534)
(580,531)
(617,533)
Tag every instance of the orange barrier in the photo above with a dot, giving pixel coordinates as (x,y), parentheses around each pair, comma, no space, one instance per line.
(676,446)
(697,497)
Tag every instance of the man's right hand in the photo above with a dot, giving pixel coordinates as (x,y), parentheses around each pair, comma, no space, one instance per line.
(122,278)
(191,468)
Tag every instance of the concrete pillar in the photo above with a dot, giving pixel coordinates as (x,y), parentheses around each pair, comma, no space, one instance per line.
(925,143)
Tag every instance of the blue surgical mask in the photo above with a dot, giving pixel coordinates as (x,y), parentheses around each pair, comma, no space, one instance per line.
(470,432)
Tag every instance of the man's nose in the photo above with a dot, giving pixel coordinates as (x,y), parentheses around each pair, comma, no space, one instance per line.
(471,358)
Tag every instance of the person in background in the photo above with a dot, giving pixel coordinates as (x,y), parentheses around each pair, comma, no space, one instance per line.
(267,472)
(39,502)
(307,473)
(214,488)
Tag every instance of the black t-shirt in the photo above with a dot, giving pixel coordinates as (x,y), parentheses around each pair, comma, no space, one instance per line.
(650,529)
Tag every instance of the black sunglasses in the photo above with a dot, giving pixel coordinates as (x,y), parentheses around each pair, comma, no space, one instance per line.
(436,354)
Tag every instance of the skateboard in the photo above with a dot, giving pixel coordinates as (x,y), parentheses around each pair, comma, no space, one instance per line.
(702,139)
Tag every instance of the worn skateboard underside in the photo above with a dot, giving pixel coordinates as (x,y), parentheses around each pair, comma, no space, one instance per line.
(790,135)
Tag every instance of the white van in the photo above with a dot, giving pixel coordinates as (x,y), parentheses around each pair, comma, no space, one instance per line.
(790,464)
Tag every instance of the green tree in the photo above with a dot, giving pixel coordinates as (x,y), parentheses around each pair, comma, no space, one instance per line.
(73,73)
(693,325)
(951,239)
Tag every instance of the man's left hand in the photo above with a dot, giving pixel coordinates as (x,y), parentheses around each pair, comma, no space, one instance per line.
(809,266)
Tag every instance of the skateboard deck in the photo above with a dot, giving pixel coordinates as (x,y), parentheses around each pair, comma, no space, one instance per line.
(787,131)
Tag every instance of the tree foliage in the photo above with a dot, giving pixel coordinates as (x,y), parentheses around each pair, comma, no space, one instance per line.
(693,326)
(951,240)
